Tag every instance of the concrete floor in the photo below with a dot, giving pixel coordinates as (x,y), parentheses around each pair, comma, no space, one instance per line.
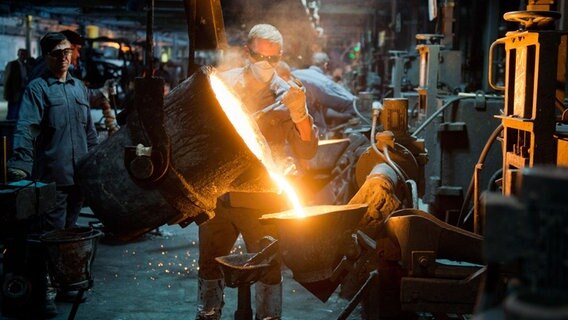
(155,278)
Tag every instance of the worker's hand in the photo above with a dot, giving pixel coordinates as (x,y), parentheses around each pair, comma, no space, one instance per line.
(109,87)
(16,174)
(295,101)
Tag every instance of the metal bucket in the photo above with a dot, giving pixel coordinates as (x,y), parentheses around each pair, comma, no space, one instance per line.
(70,254)
(208,158)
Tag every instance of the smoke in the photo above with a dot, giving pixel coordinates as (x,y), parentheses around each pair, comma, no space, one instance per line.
(300,35)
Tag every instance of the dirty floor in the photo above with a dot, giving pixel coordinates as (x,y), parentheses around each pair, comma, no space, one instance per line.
(155,278)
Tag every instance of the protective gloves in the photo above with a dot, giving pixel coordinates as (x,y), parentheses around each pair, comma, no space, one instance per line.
(16,174)
(110,120)
(295,101)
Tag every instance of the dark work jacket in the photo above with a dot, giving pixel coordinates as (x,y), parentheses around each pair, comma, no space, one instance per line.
(14,85)
(59,113)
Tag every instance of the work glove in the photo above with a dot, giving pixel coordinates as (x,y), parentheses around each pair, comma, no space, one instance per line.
(295,101)
(109,88)
(110,119)
(16,174)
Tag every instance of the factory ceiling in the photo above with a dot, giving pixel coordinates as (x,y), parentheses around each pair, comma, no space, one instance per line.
(334,21)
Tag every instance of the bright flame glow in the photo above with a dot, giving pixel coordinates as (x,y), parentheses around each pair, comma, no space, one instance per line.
(235,111)
(290,192)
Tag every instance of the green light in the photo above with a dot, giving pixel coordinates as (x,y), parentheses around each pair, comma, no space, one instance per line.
(352,56)
(357,47)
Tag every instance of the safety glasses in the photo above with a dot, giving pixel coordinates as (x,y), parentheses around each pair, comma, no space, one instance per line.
(259,57)
(60,53)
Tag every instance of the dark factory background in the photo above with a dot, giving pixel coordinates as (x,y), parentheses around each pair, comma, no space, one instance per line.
(359,33)
(443,196)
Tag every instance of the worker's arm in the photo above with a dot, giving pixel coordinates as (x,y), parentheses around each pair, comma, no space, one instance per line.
(295,101)
(305,129)
(337,117)
(306,141)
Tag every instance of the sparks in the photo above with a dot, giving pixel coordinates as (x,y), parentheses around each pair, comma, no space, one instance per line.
(243,123)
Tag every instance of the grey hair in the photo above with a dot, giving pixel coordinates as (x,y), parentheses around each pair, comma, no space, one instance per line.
(320,58)
(266,32)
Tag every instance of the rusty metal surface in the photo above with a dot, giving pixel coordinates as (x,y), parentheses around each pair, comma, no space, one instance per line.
(439,295)
(533,58)
(208,158)
(70,254)
(379,192)
(409,249)
(312,246)
(414,230)
(237,273)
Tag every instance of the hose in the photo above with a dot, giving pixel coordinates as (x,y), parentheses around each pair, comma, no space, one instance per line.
(401,174)
(436,113)
(414,190)
(491,185)
(359,114)
(443,107)
(386,157)
(480,161)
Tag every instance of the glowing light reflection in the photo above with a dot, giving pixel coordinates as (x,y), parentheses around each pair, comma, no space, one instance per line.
(242,122)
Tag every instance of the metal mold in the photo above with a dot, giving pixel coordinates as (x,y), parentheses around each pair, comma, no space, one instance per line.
(314,245)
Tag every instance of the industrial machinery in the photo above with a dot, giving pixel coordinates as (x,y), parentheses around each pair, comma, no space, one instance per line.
(24,259)
(421,264)
(530,251)
(455,129)
(535,79)
(402,260)
(385,248)
(534,173)
(533,136)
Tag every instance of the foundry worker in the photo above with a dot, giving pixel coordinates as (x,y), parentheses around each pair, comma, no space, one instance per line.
(288,130)
(54,131)
(328,101)
(77,42)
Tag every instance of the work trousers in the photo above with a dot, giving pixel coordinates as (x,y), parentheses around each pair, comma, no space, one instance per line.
(68,204)
(218,235)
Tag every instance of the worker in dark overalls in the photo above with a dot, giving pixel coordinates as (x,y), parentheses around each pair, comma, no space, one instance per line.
(290,132)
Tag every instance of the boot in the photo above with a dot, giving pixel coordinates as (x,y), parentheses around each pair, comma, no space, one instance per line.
(50,308)
(268,301)
(210,299)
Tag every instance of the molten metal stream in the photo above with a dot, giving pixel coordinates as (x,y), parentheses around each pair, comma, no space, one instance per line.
(242,122)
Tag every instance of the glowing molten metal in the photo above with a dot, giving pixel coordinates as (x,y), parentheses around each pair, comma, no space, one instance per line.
(242,122)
